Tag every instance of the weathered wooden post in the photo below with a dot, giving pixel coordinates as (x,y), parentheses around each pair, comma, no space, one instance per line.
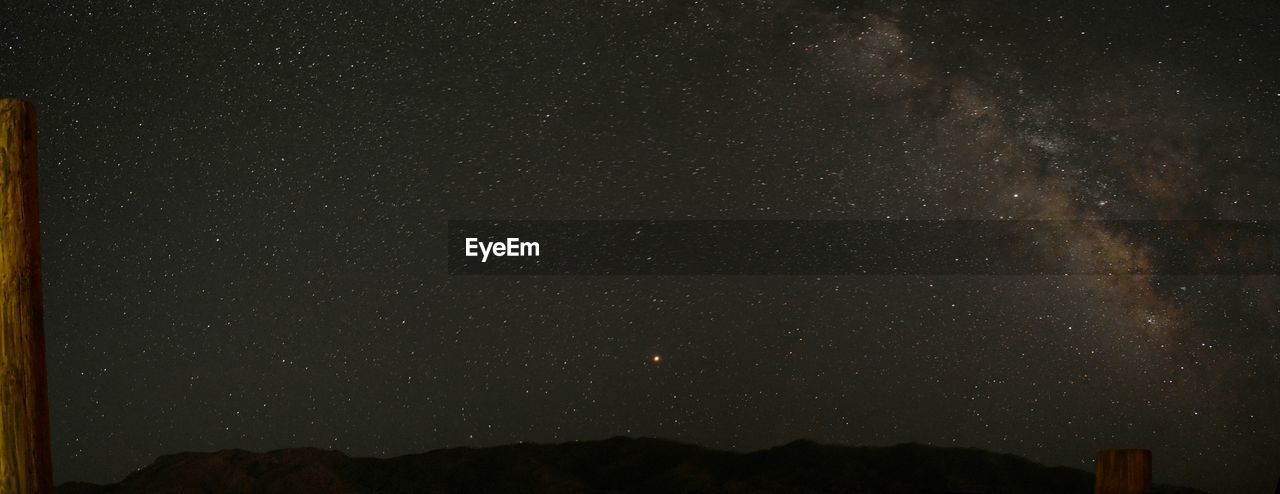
(25,459)
(1123,471)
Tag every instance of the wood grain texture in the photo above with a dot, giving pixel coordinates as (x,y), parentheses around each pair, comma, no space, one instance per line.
(25,459)
(1123,471)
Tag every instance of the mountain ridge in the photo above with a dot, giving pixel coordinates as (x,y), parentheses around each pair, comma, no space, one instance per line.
(618,464)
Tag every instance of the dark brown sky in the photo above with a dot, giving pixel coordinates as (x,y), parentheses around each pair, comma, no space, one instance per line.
(244,216)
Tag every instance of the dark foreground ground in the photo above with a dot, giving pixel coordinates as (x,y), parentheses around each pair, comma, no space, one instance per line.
(618,465)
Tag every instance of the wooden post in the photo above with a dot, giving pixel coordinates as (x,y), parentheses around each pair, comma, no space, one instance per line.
(1123,471)
(25,459)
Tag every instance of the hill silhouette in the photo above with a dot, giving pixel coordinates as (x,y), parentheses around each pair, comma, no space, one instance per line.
(616,465)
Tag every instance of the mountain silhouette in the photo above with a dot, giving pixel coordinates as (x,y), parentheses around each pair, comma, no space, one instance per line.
(616,465)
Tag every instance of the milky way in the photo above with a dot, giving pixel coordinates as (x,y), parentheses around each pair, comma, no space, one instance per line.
(244,221)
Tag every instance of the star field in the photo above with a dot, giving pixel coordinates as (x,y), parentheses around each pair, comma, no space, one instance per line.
(244,216)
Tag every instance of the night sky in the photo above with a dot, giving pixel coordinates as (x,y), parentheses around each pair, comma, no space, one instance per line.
(244,214)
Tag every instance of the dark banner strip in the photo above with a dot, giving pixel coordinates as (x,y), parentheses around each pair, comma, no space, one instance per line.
(736,247)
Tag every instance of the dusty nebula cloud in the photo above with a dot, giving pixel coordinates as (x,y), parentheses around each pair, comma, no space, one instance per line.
(1123,144)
